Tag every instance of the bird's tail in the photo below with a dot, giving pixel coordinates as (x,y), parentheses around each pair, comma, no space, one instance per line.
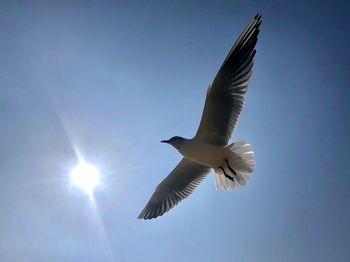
(233,173)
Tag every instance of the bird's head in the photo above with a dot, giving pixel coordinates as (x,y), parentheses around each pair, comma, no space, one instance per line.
(175,141)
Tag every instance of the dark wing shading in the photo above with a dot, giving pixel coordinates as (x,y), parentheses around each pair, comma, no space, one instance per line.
(225,97)
(181,182)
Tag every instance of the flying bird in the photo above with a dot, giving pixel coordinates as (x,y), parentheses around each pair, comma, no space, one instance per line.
(209,148)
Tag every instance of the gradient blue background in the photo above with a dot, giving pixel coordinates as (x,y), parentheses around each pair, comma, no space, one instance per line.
(112,79)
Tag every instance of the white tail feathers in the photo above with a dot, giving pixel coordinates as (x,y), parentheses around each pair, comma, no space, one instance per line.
(239,162)
(245,153)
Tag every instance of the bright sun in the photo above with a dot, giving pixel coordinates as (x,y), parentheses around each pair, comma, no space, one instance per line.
(85,176)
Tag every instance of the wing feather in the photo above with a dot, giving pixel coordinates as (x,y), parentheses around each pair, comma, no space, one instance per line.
(226,95)
(177,186)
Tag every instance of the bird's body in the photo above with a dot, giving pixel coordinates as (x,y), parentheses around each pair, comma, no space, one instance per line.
(210,148)
(203,153)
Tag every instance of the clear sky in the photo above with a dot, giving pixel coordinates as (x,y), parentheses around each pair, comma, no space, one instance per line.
(113,79)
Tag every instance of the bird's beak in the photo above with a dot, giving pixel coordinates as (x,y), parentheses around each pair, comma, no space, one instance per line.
(165,141)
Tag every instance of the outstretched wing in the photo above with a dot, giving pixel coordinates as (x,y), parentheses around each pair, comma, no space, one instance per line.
(225,97)
(181,182)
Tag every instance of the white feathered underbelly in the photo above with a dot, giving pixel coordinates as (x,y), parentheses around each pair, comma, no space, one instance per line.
(205,154)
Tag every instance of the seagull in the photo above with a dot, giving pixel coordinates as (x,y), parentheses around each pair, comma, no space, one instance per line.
(209,148)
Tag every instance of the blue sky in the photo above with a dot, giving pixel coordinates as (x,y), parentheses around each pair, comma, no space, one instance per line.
(112,79)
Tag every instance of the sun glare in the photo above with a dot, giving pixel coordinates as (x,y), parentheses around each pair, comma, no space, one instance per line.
(85,176)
